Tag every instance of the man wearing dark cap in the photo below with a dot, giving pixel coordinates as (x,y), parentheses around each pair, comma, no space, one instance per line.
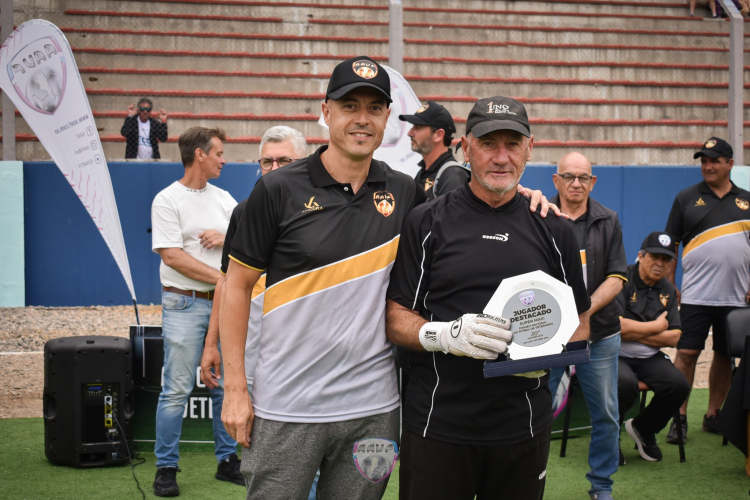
(712,220)
(431,136)
(325,231)
(649,320)
(465,436)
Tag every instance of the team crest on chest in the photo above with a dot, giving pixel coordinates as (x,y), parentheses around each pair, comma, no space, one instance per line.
(385,203)
(700,203)
(428,184)
(663,298)
(634,298)
(742,204)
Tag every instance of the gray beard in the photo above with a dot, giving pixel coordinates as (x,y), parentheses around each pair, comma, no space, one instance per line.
(501,191)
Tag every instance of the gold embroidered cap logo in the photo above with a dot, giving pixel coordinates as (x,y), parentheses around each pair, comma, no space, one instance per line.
(700,203)
(428,183)
(742,204)
(365,69)
(312,205)
(385,203)
(423,108)
(709,143)
(664,297)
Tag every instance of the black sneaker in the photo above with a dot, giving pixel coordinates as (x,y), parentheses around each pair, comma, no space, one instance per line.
(229,470)
(165,483)
(672,434)
(622,461)
(711,424)
(646,442)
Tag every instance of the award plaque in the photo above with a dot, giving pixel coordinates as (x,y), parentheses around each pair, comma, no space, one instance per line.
(542,311)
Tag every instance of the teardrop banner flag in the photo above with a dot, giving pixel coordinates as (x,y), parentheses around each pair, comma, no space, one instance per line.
(38,73)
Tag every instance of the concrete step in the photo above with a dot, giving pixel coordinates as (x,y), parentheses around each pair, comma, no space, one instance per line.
(543,128)
(662,153)
(152,59)
(549,14)
(261,103)
(197,22)
(231,42)
(630,7)
(100,78)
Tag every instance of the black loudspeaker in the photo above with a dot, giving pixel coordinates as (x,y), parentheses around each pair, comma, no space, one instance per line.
(88,401)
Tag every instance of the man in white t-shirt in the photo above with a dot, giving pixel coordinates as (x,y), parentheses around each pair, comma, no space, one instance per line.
(142,132)
(189,220)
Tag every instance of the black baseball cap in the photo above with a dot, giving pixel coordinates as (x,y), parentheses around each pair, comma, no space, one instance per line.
(358,72)
(432,114)
(497,113)
(659,242)
(715,148)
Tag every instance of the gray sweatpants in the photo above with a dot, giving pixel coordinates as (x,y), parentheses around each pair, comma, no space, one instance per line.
(284,457)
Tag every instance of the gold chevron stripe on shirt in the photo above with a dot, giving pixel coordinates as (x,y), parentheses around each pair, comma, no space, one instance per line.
(260,286)
(307,283)
(716,232)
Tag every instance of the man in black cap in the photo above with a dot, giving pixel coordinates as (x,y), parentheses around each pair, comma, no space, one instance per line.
(431,136)
(325,230)
(649,320)
(712,220)
(465,435)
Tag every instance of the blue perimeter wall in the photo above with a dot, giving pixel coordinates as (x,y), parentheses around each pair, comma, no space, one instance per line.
(68,263)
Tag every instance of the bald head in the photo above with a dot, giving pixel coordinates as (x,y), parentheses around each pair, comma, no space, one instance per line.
(574,161)
(574,180)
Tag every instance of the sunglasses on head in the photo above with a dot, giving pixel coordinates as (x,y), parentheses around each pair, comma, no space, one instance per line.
(145,109)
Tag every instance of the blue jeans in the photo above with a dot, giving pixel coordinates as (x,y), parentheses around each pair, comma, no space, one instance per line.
(598,380)
(184,327)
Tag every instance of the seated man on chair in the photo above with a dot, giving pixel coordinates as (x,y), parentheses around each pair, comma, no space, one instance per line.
(649,320)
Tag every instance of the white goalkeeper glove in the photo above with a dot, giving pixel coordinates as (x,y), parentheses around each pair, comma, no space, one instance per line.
(478,336)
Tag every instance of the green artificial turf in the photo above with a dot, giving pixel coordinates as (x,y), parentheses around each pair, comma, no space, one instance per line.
(712,471)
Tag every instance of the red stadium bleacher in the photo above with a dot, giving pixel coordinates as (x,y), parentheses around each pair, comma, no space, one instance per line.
(632,81)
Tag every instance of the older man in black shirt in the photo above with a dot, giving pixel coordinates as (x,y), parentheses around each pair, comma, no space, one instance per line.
(464,435)
(649,320)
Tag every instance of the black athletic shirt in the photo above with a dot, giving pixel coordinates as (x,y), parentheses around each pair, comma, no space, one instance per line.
(450,179)
(323,352)
(234,222)
(454,252)
(641,302)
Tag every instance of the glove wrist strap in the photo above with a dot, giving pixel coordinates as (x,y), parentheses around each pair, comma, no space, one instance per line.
(430,335)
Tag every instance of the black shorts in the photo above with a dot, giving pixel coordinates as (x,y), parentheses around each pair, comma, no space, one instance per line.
(446,471)
(696,321)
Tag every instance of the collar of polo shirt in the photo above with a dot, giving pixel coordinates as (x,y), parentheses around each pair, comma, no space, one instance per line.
(321,178)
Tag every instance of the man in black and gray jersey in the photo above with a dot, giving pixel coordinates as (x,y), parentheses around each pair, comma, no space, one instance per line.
(464,435)
(431,136)
(712,220)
